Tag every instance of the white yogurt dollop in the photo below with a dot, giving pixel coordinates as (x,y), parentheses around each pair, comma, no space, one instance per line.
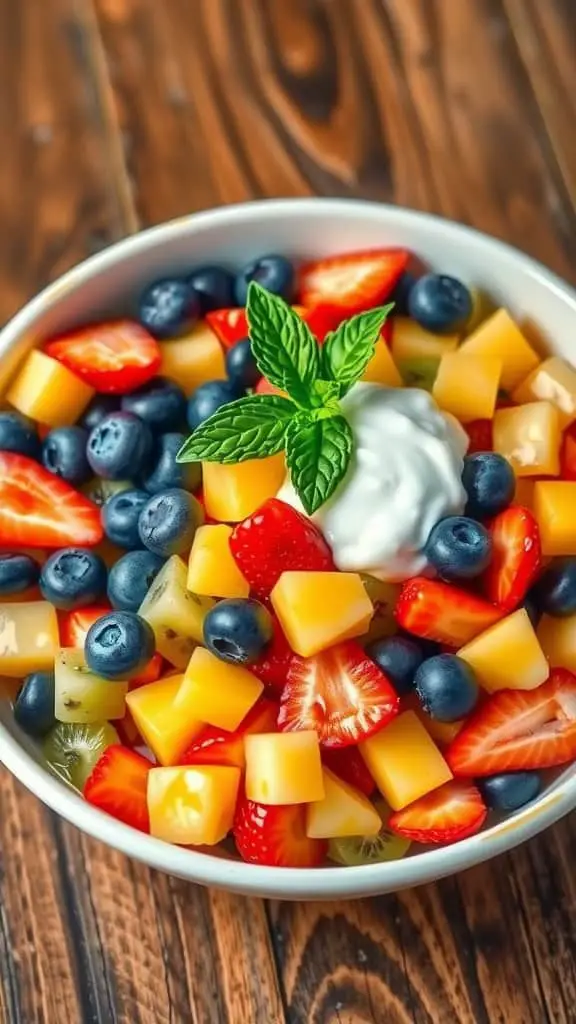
(405,475)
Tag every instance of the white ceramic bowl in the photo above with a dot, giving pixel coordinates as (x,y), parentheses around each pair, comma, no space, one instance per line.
(232,235)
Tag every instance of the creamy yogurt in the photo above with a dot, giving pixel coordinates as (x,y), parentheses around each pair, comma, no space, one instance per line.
(405,475)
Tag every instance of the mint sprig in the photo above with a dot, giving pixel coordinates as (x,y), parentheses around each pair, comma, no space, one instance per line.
(283,346)
(250,428)
(348,350)
(317,455)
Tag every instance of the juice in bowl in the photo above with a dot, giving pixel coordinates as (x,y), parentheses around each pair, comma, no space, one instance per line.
(288,574)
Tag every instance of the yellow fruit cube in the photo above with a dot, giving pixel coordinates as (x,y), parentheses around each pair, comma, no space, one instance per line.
(382,369)
(554,508)
(507,656)
(176,615)
(48,391)
(524,493)
(417,353)
(233,492)
(319,609)
(344,811)
(212,570)
(553,381)
(83,696)
(216,692)
(284,767)
(194,359)
(467,385)
(163,728)
(500,336)
(529,437)
(28,638)
(558,641)
(404,761)
(192,806)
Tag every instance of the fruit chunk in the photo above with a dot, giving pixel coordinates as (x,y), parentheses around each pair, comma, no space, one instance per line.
(229,326)
(352,282)
(283,768)
(438,611)
(232,493)
(554,504)
(343,811)
(119,785)
(212,570)
(382,369)
(552,381)
(499,336)
(176,615)
(346,763)
(507,656)
(383,597)
(417,352)
(467,385)
(319,609)
(515,559)
(193,360)
(28,638)
(351,851)
(72,751)
(164,729)
(113,357)
(557,637)
(74,625)
(47,391)
(216,692)
(452,812)
(81,695)
(276,836)
(479,436)
(529,437)
(192,806)
(404,761)
(219,746)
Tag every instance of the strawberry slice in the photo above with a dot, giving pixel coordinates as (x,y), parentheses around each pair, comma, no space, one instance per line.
(217,746)
(349,766)
(354,281)
(516,557)
(322,320)
(75,625)
(480,436)
(275,539)
(39,510)
(438,611)
(568,454)
(452,812)
(273,664)
(229,325)
(113,357)
(118,785)
(341,693)
(276,836)
(519,730)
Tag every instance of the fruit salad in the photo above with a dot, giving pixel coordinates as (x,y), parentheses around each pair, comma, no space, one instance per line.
(288,561)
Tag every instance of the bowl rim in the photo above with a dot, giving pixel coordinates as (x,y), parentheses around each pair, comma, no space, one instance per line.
(206,868)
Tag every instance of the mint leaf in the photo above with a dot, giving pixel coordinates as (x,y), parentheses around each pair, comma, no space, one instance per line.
(317,454)
(249,428)
(348,350)
(325,398)
(285,351)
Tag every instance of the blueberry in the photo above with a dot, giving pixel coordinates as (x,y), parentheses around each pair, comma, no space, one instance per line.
(18,435)
(458,548)
(64,454)
(238,630)
(489,482)
(555,591)
(166,473)
(207,399)
(120,447)
(130,579)
(440,303)
(398,657)
(120,516)
(214,287)
(99,407)
(401,293)
(17,573)
(511,790)
(241,366)
(275,273)
(447,687)
(161,403)
(34,705)
(532,610)
(169,521)
(119,645)
(72,578)
(169,308)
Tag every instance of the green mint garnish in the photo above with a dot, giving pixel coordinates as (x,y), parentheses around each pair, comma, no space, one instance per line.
(308,423)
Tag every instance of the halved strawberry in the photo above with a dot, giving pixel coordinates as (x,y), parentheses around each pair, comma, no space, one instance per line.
(275,539)
(519,730)
(39,510)
(229,325)
(75,625)
(438,611)
(217,746)
(113,357)
(452,812)
(348,765)
(118,785)
(341,693)
(480,436)
(276,836)
(273,664)
(354,281)
(568,454)
(322,320)
(516,557)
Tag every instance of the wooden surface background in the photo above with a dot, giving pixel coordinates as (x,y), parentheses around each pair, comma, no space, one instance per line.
(119,113)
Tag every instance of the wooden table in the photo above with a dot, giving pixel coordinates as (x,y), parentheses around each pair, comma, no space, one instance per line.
(119,113)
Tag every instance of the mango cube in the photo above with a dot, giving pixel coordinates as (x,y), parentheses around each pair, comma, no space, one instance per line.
(558,641)
(194,359)
(467,385)
(417,352)
(83,696)
(216,692)
(28,638)
(553,381)
(382,369)
(232,493)
(507,656)
(212,570)
(529,437)
(162,727)
(176,615)
(319,609)
(500,336)
(344,811)
(193,806)
(554,508)
(404,761)
(48,391)
(284,767)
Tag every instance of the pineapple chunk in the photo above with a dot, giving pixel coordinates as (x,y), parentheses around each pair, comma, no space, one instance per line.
(194,359)
(558,641)
(212,570)
(499,336)
(215,692)
(382,369)
(163,728)
(28,638)
(176,615)
(319,609)
(417,353)
(404,761)
(467,385)
(192,806)
(232,493)
(529,437)
(554,505)
(553,381)
(507,656)
(284,767)
(81,695)
(344,811)
(48,392)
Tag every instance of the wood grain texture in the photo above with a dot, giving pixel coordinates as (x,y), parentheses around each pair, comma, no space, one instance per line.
(124,112)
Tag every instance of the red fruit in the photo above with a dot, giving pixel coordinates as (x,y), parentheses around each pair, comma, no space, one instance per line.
(341,693)
(128,731)
(276,836)
(113,357)
(118,785)
(480,434)
(75,625)
(516,557)
(273,664)
(229,325)
(322,320)
(568,454)
(348,765)
(276,539)
(217,746)
(438,611)
(150,673)
(452,812)
(264,387)
(39,510)
(519,730)
(352,282)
